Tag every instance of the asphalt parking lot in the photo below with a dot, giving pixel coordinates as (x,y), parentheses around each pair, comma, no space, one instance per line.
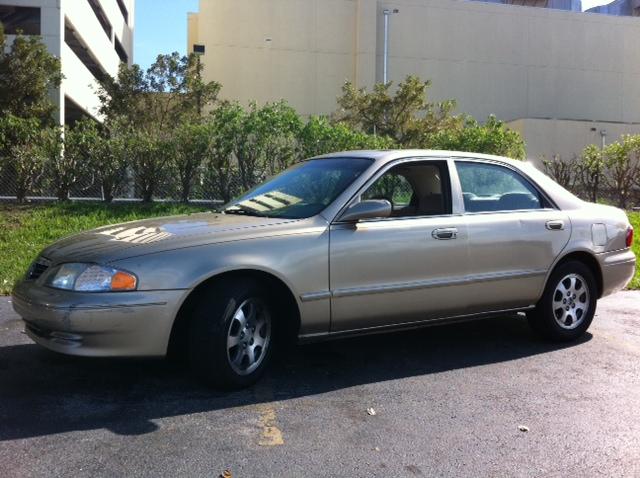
(448,401)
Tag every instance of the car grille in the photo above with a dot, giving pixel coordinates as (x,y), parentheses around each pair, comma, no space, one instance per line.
(38,267)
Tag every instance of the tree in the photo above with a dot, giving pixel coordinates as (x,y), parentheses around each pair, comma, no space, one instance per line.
(266,142)
(149,158)
(21,152)
(591,170)
(169,93)
(60,166)
(493,137)
(225,128)
(319,136)
(564,172)
(156,115)
(278,128)
(635,151)
(28,72)
(122,98)
(68,160)
(109,161)
(622,161)
(190,146)
(406,116)
(413,122)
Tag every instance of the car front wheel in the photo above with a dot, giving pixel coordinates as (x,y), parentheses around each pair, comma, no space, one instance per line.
(568,304)
(231,336)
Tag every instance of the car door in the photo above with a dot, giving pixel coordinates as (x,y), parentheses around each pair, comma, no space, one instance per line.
(407,267)
(515,235)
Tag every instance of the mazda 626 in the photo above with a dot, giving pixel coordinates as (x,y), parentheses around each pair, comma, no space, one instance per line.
(344,244)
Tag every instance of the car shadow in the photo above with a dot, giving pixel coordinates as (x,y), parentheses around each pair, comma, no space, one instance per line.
(43,393)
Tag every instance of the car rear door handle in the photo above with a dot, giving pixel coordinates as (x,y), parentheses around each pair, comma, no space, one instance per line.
(555,225)
(445,233)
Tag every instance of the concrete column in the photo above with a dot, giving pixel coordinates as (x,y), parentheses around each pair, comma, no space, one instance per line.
(52,31)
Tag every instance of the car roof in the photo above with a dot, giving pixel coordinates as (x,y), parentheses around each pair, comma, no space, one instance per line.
(563,198)
(384,156)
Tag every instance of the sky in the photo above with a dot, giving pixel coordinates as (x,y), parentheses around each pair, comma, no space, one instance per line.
(160,27)
(587,4)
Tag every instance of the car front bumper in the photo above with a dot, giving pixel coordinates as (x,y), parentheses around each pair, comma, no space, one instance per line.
(98,324)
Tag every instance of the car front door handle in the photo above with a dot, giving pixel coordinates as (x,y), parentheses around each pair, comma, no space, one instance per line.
(445,233)
(555,225)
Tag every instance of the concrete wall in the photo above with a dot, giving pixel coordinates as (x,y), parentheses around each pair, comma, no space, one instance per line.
(301,50)
(192,31)
(546,138)
(515,62)
(123,31)
(518,62)
(79,84)
(511,61)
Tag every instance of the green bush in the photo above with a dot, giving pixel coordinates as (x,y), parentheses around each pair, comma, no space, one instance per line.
(492,137)
(23,153)
(166,130)
(613,172)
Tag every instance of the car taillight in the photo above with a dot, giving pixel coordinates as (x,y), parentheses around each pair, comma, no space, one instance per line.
(629,236)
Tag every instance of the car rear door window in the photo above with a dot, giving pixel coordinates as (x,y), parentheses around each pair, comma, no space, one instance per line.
(490,187)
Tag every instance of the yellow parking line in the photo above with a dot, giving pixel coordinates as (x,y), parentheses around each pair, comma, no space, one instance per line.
(271,434)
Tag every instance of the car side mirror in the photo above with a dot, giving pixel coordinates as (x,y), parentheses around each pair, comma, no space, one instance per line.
(368,209)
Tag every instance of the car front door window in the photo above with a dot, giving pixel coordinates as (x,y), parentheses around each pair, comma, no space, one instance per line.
(414,189)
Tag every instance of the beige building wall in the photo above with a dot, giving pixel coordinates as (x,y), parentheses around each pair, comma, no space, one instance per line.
(566,138)
(193,33)
(515,62)
(300,50)
(518,62)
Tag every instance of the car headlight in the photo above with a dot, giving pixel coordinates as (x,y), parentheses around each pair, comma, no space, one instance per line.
(89,278)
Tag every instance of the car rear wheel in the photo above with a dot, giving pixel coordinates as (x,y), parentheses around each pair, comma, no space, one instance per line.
(568,304)
(231,335)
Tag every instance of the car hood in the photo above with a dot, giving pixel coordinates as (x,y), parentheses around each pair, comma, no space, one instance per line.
(130,239)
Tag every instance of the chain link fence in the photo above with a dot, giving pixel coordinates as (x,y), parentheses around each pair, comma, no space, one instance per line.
(207,185)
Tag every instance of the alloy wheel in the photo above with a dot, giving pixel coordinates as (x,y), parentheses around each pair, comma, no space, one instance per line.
(248,336)
(571,301)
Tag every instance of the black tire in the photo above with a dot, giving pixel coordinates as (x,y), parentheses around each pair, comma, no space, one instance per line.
(211,324)
(546,317)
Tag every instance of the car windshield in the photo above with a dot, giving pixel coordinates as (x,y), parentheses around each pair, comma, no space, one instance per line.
(303,190)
